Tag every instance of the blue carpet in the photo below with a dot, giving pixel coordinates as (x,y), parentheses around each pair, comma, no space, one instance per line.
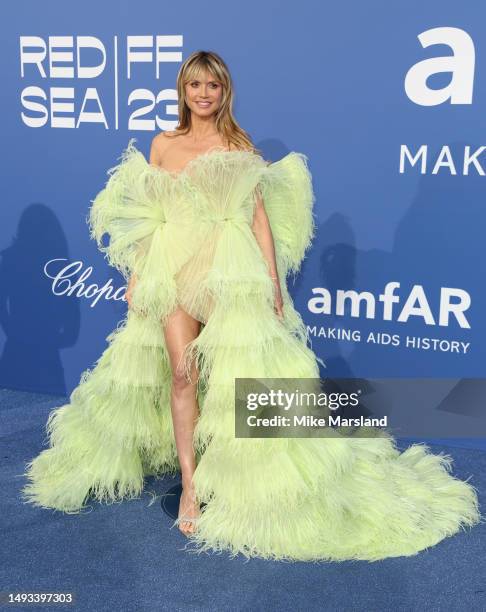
(125,556)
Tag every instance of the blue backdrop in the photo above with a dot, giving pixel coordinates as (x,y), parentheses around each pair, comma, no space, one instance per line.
(386,100)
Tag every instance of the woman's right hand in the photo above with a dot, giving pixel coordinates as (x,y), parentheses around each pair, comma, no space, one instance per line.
(129,291)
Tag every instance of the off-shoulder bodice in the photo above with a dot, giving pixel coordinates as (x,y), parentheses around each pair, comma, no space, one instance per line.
(186,233)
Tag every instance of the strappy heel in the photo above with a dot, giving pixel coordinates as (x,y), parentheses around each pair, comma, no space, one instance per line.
(192,520)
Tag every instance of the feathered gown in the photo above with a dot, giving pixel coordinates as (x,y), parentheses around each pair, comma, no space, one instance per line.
(188,238)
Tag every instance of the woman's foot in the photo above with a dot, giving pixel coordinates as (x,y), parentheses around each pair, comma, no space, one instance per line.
(189,510)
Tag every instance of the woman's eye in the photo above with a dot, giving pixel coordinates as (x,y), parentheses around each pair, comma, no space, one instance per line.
(196,84)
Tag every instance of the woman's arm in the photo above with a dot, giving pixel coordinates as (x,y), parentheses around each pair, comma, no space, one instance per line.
(263,234)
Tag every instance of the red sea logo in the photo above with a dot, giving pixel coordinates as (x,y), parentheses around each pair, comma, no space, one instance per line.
(96,81)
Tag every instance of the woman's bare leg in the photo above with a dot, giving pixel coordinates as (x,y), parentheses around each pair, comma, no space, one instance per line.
(180,329)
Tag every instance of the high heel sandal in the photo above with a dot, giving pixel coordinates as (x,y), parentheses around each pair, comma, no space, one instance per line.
(186,519)
(192,520)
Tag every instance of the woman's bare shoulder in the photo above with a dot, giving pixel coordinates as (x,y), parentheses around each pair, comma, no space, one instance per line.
(159,145)
(163,139)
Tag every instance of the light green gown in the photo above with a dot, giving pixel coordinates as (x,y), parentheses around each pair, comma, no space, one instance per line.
(188,238)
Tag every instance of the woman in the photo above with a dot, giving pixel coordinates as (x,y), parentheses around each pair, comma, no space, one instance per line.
(206,234)
(206,123)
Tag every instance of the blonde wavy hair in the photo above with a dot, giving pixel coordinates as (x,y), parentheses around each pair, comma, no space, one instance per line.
(226,124)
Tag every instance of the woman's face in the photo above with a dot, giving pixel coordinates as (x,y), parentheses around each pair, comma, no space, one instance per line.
(203,95)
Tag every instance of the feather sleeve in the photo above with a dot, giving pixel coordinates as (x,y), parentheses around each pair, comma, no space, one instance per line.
(287,193)
(125,210)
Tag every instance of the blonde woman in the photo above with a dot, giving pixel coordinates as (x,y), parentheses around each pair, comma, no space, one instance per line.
(206,234)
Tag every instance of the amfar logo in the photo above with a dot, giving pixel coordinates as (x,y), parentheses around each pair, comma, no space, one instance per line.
(460,65)
(415,304)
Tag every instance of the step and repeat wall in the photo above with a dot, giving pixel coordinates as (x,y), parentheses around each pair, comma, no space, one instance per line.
(388,103)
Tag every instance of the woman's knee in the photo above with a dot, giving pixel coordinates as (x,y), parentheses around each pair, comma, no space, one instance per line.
(180,381)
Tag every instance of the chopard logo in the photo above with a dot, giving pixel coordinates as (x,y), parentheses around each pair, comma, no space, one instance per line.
(67,282)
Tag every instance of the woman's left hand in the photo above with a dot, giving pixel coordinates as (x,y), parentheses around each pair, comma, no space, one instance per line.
(278,298)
